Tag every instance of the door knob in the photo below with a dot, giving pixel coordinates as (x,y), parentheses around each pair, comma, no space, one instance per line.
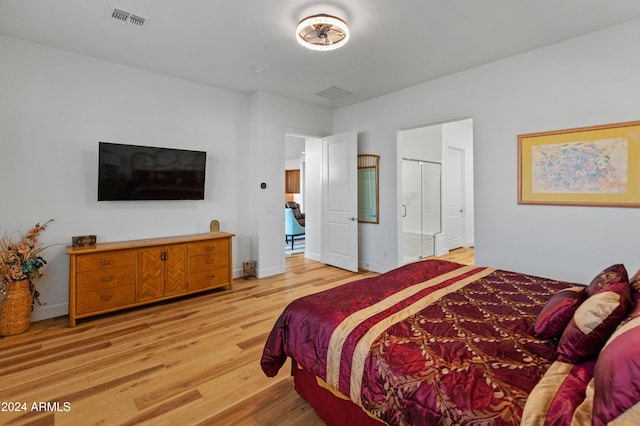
(353,219)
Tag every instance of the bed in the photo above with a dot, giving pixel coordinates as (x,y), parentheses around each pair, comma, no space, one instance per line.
(437,342)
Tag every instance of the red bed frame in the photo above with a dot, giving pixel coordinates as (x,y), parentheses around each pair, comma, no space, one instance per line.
(332,409)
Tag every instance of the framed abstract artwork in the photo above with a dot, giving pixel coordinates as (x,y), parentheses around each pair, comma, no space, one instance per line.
(586,166)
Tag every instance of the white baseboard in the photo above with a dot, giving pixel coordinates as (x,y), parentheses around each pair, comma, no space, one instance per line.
(268,272)
(43,312)
(381,269)
(313,256)
(238,273)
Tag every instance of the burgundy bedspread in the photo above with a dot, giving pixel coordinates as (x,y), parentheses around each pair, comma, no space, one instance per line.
(432,342)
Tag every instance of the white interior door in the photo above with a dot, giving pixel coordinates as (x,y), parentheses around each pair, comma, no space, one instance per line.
(340,201)
(455,197)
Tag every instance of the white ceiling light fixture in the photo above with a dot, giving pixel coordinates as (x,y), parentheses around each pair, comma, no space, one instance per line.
(322,32)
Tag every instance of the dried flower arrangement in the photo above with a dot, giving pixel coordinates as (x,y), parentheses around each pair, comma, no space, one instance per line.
(20,259)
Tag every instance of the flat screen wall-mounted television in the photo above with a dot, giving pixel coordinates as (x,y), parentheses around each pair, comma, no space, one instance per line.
(133,172)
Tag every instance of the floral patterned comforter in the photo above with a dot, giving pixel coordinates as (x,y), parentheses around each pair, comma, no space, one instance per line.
(433,342)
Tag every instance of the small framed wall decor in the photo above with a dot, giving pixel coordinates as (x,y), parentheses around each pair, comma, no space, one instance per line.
(585,166)
(83,241)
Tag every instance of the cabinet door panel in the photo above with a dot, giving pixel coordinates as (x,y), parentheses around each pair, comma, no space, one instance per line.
(175,270)
(150,273)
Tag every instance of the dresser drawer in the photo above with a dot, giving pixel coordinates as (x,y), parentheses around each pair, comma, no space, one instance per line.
(209,279)
(209,246)
(105,259)
(106,278)
(102,300)
(207,262)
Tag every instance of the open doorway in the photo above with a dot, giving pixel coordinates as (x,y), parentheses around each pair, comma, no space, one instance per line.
(329,197)
(304,152)
(435,190)
(294,194)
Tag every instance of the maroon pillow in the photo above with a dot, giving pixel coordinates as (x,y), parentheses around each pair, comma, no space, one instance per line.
(635,286)
(617,375)
(613,274)
(558,311)
(593,322)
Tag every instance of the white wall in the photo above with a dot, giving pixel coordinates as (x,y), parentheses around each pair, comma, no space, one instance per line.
(585,81)
(423,143)
(272,117)
(56,106)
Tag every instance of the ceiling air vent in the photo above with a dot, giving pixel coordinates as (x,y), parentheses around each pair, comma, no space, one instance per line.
(120,15)
(127,18)
(334,93)
(137,21)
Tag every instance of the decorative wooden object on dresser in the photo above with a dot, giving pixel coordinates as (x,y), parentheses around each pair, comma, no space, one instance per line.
(109,277)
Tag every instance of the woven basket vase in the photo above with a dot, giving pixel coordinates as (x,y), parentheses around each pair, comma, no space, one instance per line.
(15,312)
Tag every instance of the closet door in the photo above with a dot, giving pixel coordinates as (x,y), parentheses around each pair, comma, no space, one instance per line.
(455,197)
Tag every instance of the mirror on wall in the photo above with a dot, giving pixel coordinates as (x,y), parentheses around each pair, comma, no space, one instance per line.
(368,211)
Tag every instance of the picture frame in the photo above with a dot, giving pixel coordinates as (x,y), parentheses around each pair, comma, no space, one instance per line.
(584,166)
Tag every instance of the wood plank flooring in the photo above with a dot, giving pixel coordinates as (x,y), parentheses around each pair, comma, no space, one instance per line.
(186,362)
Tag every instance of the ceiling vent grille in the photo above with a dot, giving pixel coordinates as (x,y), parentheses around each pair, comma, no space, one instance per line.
(334,93)
(127,18)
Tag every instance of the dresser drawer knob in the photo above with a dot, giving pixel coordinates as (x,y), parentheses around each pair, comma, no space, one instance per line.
(106,279)
(208,248)
(106,261)
(209,277)
(210,261)
(106,298)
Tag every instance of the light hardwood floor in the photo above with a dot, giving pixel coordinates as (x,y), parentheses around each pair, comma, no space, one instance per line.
(186,362)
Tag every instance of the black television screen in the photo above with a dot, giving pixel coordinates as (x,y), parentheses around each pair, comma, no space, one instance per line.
(132,172)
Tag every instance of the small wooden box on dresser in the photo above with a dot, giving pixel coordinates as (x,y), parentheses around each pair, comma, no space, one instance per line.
(108,277)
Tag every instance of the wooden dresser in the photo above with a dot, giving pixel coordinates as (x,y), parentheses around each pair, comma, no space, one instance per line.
(108,277)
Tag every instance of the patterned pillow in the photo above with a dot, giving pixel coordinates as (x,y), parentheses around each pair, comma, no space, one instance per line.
(617,375)
(563,396)
(635,286)
(558,311)
(593,323)
(613,274)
